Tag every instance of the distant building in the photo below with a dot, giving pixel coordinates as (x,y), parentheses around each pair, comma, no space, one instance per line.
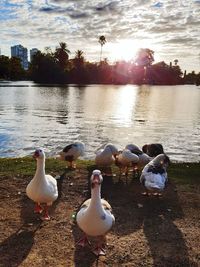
(22,53)
(33,51)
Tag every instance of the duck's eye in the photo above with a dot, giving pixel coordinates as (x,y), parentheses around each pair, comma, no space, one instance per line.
(40,150)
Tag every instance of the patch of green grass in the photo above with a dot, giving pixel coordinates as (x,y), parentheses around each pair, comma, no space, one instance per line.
(85,163)
(182,173)
(16,166)
(27,166)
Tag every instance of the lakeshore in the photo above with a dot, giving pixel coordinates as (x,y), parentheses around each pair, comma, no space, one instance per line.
(148,231)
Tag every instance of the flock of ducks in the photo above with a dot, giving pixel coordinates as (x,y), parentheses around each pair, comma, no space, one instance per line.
(95,217)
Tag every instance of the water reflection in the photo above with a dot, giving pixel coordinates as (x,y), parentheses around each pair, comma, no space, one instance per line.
(51,117)
(115,104)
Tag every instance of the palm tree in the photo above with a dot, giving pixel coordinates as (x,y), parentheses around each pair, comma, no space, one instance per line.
(62,54)
(79,59)
(79,54)
(102,41)
(48,50)
(175,62)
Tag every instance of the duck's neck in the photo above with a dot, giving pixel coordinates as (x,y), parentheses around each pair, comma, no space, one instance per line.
(96,198)
(40,171)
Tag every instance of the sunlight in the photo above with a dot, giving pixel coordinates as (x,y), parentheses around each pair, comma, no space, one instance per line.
(127,49)
(126,104)
(119,101)
(124,50)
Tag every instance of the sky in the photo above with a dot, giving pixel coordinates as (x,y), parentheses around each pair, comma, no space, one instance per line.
(170,28)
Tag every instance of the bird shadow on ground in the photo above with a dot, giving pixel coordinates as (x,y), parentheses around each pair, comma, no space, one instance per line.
(165,239)
(83,256)
(156,216)
(17,246)
(67,176)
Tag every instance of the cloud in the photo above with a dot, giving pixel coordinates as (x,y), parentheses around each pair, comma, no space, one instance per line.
(106,7)
(158,4)
(79,23)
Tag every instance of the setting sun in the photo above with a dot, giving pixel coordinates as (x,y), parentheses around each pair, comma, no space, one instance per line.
(124,50)
(127,49)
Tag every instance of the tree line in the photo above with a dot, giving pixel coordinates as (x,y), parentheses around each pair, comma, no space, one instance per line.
(57,67)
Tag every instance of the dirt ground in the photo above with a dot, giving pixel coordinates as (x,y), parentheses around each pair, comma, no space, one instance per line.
(149,231)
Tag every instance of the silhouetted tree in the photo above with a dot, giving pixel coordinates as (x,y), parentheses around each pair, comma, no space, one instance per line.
(79,59)
(11,68)
(78,73)
(92,70)
(62,55)
(44,68)
(102,41)
(175,62)
(16,71)
(121,72)
(192,78)
(4,67)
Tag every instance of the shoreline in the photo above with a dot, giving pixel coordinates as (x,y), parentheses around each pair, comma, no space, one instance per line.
(181,172)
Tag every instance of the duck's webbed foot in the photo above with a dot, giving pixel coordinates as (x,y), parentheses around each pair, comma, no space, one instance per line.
(83,241)
(99,249)
(46,216)
(38,208)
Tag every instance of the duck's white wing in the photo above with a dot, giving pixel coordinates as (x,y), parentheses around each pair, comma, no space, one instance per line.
(108,210)
(153,180)
(52,186)
(106,205)
(85,204)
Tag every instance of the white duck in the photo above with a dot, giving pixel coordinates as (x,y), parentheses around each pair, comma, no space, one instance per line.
(154,174)
(126,159)
(95,216)
(42,189)
(71,153)
(106,157)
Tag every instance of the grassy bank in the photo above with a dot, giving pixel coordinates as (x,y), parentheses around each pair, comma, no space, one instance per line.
(181,173)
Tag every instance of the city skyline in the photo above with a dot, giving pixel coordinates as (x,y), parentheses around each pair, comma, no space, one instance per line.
(171,30)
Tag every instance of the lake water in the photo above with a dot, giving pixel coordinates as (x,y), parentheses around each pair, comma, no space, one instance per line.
(51,117)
